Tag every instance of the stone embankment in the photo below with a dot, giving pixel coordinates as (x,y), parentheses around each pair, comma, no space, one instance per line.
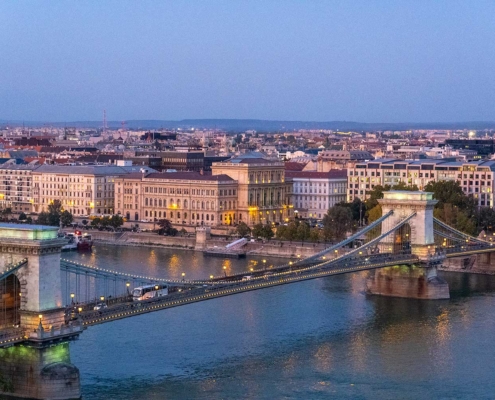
(271,248)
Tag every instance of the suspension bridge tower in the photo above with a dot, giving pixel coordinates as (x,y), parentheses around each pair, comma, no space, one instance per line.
(31,294)
(416,236)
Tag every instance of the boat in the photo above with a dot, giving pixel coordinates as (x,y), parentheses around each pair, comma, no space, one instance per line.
(78,241)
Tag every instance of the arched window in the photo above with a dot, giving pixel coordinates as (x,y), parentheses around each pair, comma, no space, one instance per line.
(207,217)
(185,203)
(156,202)
(230,205)
(178,203)
(164,203)
(212,217)
(202,205)
(159,214)
(146,213)
(160,202)
(185,215)
(212,205)
(193,204)
(207,205)
(146,201)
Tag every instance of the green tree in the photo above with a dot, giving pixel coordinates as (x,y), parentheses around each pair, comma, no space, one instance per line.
(43,218)
(84,222)
(22,216)
(116,221)
(337,222)
(303,231)
(242,229)
(95,222)
(267,232)
(257,230)
(66,218)
(314,235)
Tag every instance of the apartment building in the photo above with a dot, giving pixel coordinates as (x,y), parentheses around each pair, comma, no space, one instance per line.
(263,193)
(82,189)
(477,178)
(313,193)
(16,183)
(181,197)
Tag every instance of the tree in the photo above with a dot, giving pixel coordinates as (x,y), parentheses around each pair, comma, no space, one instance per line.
(183,232)
(66,218)
(84,222)
(374,214)
(22,216)
(116,221)
(303,231)
(257,230)
(43,218)
(55,207)
(314,235)
(267,232)
(166,228)
(337,222)
(95,222)
(7,213)
(242,229)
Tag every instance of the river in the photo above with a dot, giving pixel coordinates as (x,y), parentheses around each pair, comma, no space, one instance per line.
(316,339)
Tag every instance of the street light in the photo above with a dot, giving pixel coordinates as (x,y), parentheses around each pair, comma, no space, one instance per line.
(211,276)
(225,270)
(183,275)
(72,295)
(102,298)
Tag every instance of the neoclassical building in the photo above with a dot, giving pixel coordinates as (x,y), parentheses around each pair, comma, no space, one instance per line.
(263,193)
(181,197)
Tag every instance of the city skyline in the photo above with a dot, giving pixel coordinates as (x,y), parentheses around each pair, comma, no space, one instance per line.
(381,62)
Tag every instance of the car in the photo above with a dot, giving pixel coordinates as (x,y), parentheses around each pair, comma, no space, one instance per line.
(247,277)
(100,306)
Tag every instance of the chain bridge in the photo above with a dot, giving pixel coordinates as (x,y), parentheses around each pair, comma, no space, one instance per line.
(47,301)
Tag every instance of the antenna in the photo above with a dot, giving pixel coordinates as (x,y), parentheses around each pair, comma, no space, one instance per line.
(105,127)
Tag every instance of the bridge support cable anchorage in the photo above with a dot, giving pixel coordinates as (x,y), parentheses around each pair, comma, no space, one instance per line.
(454,232)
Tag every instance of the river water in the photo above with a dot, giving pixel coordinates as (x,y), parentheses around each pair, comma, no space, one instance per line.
(317,339)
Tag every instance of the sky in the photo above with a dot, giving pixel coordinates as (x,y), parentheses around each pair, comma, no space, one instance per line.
(359,60)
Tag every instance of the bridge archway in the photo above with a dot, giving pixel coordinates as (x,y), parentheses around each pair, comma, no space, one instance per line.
(402,239)
(10,301)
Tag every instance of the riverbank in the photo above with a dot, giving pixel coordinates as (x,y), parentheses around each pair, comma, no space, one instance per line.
(270,248)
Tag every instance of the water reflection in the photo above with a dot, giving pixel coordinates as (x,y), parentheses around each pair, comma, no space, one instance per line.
(314,339)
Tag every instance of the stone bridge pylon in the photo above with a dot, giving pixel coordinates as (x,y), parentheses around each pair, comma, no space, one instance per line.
(41,368)
(415,237)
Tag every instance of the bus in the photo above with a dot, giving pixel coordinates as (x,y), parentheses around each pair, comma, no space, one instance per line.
(149,292)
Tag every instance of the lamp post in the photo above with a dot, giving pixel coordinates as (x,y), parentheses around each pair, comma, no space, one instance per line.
(127,285)
(72,295)
(183,276)
(225,270)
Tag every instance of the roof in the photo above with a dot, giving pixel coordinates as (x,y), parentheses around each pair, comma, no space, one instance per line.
(189,176)
(82,169)
(332,174)
(294,166)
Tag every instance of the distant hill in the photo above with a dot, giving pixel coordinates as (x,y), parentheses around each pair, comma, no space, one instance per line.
(239,125)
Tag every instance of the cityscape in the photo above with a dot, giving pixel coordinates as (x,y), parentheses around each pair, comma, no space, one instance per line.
(233,220)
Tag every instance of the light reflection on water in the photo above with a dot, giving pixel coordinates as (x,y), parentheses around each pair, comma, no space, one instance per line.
(316,339)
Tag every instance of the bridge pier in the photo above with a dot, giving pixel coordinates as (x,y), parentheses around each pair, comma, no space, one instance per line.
(38,373)
(39,367)
(414,282)
(414,237)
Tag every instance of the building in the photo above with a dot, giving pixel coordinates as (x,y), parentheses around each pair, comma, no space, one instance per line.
(477,178)
(313,193)
(263,194)
(484,147)
(16,184)
(182,197)
(83,189)
(178,160)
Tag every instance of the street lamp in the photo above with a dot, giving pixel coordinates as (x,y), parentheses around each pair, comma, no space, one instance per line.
(102,298)
(72,295)
(127,285)
(183,275)
(225,270)
(211,276)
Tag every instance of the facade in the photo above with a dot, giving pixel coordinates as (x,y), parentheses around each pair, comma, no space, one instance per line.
(263,193)
(313,193)
(16,184)
(83,189)
(178,160)
(477,178)
(181,197)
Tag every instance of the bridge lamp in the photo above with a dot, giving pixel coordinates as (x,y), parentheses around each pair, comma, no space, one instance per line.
(102,298)
(264,261)
(211,276)
(290,262)
(251,269)
(79,309)
(156,287)
(72,295)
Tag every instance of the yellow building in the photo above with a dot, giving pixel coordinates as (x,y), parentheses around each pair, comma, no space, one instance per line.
(184,198)
(263,194)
